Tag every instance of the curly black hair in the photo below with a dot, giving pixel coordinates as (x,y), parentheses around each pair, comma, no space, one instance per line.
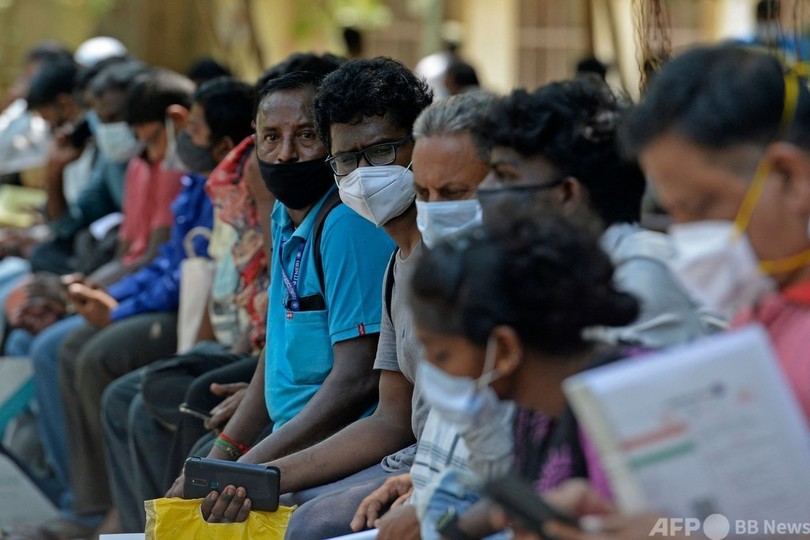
(370,87)
(572,124)
(541,275)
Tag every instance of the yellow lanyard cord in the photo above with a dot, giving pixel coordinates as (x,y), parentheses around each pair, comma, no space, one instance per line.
(761,174)
(786,264)
(741,222)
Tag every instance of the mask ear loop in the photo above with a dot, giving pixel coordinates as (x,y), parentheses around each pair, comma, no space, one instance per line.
(786,264)
(490,373)
(754,192)
(171,133)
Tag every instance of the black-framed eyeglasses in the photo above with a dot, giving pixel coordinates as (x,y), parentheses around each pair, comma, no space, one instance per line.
(376,154)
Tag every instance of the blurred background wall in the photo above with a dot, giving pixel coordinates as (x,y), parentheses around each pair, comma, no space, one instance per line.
(510,42)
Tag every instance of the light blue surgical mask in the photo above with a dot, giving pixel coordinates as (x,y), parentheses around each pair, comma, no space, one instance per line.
(439,220)
(92,121)
(462,401)
(117,142)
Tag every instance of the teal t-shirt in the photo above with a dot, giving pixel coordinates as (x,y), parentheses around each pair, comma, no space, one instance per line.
(354,254)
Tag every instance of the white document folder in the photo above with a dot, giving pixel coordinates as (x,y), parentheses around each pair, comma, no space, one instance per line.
(710,427)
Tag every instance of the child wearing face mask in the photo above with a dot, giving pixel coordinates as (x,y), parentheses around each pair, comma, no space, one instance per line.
(475,303)
(730,180)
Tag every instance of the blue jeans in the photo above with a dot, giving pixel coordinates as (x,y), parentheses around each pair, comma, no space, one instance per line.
(12,270)
(89,360)
(44,353)
(453,490)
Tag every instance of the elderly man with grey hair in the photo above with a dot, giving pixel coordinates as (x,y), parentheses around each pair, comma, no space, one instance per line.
(447,168)
(448,165)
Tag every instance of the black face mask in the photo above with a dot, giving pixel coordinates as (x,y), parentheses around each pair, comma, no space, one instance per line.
(299,184)
(506,200)
(197,158)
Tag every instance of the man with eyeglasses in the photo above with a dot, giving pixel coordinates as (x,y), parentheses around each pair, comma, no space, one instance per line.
(365,112)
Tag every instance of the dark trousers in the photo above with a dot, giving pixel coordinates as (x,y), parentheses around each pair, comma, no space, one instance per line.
(89,360)
(136,442)
(54,256)
(191,429)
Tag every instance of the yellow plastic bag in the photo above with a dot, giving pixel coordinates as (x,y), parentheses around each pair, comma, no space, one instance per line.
(180,519)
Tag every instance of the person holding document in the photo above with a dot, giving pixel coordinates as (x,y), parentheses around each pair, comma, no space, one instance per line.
(723,133)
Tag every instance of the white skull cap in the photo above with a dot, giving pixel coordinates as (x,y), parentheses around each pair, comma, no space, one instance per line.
(96,49)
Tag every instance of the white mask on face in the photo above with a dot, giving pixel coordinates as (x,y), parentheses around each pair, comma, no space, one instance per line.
(117,142)
(719,269)
(462,401)
(379,193)
(439,220)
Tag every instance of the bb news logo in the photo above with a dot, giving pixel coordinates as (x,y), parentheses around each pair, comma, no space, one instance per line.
(718,527)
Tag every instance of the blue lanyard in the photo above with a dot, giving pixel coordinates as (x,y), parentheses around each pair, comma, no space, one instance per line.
(292,284)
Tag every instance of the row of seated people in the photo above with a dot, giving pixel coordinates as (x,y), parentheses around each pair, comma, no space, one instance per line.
(400,341)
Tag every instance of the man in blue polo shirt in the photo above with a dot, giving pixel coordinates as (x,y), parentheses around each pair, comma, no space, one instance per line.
(324,300)
(324,308)
(301,330)
(365,111)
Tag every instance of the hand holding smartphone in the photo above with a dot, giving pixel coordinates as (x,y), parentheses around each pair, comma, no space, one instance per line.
(78,137)
(520,501)
(261,482)
(202,414)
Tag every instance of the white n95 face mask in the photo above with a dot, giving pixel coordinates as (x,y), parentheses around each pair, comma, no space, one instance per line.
(117,142)
(717,267)
(439,220)
(378,193)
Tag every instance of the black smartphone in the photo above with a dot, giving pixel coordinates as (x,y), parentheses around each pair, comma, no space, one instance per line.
(520,501)
(313,302)
(202,414)
(261,482)
(78,137)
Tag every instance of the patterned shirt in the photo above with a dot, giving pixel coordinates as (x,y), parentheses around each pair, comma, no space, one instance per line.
(235,206)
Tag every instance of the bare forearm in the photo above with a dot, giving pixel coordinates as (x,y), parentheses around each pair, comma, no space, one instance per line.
(336,405)
(109,273)
(156,238)
(242,345)
(115,270)
(354,448)
(475,521)
(56,203)
(251,417)
(205,332)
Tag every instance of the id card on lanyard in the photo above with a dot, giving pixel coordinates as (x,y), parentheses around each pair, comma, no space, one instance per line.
(291,283)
